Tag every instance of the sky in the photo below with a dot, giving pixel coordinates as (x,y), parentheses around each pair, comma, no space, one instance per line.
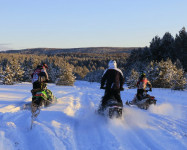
(88,23)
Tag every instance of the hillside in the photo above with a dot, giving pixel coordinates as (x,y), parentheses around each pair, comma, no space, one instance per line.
(72,124)
(55,51)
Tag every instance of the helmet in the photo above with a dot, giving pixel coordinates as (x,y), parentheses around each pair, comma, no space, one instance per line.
(143,74)
(39,66)
(112,64)
(45,65)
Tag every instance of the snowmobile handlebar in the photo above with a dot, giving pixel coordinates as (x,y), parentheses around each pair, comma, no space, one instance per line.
(121,89)
(150,90)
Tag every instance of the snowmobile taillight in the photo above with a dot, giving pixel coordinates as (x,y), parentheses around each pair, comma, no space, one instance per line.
(39,94)
(152,97)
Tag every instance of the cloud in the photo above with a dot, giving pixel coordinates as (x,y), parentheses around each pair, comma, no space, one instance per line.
(5,46)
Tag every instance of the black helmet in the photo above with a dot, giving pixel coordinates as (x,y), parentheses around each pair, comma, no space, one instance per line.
(39,66)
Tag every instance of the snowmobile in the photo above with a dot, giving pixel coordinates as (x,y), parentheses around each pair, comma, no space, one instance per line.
(144,102)
(112,109)
(40,98)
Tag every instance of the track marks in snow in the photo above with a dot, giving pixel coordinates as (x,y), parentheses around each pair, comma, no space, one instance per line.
(73,124)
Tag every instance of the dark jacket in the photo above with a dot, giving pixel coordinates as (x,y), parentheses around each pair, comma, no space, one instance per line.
(113,78)
(39,75)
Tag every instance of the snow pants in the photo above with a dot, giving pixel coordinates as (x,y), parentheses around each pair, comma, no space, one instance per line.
(140,93)
(38,85)
(109,94)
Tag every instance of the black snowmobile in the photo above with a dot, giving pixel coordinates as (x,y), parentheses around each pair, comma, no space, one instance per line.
(112,109)
(144,102)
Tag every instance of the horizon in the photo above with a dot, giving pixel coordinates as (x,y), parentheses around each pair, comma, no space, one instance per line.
(63,48)
(78,24)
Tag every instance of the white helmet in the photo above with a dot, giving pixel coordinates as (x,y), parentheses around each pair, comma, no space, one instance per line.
(112,64)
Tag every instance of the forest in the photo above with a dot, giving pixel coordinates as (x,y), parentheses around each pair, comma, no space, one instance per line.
(164,62)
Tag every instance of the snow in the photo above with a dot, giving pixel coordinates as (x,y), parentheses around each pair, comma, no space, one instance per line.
(72,124)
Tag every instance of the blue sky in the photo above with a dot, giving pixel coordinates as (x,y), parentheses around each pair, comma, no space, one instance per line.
(88,23)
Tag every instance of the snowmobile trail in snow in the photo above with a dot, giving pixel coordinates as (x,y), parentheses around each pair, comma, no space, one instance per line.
(71,123)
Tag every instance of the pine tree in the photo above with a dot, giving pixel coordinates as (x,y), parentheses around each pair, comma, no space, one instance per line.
(94,76)
(66,77)
(27,68)
(155,48)
(8,76)
(18,71)
(165,74)
(167,47)
(181,47)
(1,73)
(132,79)
(84,71)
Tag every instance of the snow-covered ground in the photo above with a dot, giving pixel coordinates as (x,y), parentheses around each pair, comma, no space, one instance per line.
(72,124)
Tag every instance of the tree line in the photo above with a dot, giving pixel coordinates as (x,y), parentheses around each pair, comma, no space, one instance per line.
(19,67)
(62,69)
(164,62)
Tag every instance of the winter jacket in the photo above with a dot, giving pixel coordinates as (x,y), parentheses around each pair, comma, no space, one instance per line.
(39,74)
(142,83)
(113,78)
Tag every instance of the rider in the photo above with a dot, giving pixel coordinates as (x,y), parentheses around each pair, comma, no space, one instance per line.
(141,85)
(114,80)
(40,77)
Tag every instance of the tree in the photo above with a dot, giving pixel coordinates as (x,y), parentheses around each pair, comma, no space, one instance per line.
(155,48)
(165,74)
(181,47)
(132,79)
(1,73)
(8,76)
(66,77)
(18,71)
(167,46)
(94,76)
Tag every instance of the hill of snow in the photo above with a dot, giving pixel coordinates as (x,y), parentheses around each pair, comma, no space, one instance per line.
(72,124)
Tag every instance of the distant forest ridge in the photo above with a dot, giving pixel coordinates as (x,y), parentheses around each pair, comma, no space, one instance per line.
(55,51)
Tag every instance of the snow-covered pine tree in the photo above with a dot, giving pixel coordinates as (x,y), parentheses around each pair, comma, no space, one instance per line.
(94,76)
(152,72)
(179,81)
(1,74)
(53,72)
(81,71)
(66,76)
(85,71)
(27,68)
(132,79)
(165,74)
(8,76)
(18,71)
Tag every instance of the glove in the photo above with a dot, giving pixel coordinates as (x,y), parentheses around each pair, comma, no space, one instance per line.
(150,89)
(101,87)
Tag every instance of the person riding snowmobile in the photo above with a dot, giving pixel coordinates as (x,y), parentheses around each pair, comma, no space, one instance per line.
(40,78)
(141,85)
(114,80)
